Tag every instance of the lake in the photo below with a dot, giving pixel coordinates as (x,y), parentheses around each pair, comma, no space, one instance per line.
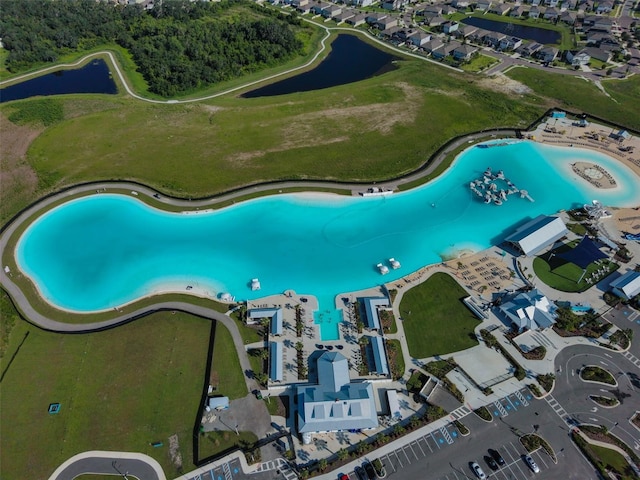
(94,77)
(540,35)
(350,60)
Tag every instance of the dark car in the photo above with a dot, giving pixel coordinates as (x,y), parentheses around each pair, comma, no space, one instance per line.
(496,456)
(371,472)
(361,474)
(491,462)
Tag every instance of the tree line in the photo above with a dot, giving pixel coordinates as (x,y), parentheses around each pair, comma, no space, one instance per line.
(178,46)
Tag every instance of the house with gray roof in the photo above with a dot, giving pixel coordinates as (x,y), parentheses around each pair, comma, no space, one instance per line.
(536,11)
(500,9)
(528,310)
(578,58)
(483,5)
(432,45)
(568,17)
(548,54)
(510,43)
(517,11)
(335,403)
(419,38)
(537,234)
(331,11)
(344,16)
(465,30)
(529,49)
(627,286)
(356,20)
(464,52)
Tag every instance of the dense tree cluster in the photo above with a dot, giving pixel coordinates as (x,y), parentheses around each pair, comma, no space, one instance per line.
(178,46)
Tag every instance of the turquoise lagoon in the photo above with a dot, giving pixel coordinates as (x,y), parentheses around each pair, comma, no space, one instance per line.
(106,250)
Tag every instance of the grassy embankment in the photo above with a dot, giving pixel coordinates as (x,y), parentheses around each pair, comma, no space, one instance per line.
(120,389)
(436,321)
(621,106)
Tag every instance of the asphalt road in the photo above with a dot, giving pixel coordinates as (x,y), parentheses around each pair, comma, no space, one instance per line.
(123,467)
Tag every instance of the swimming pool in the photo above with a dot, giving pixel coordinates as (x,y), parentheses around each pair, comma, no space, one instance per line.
(103,251)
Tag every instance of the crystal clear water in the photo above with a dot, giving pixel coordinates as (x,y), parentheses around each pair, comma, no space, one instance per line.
(106,250)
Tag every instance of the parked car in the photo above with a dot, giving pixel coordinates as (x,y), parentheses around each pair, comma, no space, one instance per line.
(343,476)
(532,465)
(360,473)
(491,462)
(497,457)
(478,471)
(371,472)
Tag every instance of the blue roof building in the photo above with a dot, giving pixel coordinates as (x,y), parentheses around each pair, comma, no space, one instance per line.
(275,314)
(335,403)
(529,310)
(276,355)
(379,356)
(627,286)
(371,305)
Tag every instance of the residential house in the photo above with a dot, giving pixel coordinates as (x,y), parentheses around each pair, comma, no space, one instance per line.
(551,14)
(431,9)
(435,21)
(303,8)
(517,11)
(465,30)
(344,16)
(568,17)
(356,20)
(551,3)
(450,27)
(604,7)
(604,24)
(461,4)
(570,4)
(578,58)
(535,3)
(448,10)
(510,43)
(500,9)
(319,7)
(419,38)
(372,18)
(298,3)
(392,31)
(599,54)
(483,5)
(464,52)
(394,4)
(493,39)
(536,12)
(548,54)
(479,35)
(386,22)
(331,11)
(444,50)
(432,45)
(529,49)
(360,3)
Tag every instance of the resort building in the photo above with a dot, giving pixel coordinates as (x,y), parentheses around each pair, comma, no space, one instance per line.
(537,234)
(371,312)
(274,314)
(335,403)
(528,310)
(381,365)
(276,359)
(627,286)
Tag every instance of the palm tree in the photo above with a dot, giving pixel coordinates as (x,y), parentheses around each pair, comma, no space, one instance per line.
(364,340)
(322,464)
(342,454)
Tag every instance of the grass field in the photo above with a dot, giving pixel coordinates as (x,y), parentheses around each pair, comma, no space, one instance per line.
(226,374)
(613,460)
(436,321)
(562,275)
(479,63)
(577,94)
(119,389)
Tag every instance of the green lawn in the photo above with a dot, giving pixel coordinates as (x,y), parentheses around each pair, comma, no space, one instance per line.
(562,275)
(120,389)
(212,443)
(226,374)
(479,63)
(613,460)
(436,321)
(579,95)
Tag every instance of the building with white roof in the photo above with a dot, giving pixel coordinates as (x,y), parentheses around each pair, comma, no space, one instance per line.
(371,306)
(335,403)
(275,314)
(627,286)
(537,234)
(528,310)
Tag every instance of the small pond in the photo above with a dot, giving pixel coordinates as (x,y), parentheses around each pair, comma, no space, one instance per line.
(540,35)
(94,77)
(350,60)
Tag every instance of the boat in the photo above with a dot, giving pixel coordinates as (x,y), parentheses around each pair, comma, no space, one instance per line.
(500,175)
(487,198)
(395,264)
(255,284)
(497,201)
(383,269)
(487,172)
(503,195)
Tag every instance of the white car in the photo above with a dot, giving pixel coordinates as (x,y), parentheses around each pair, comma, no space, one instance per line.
(532,465)
(478,471)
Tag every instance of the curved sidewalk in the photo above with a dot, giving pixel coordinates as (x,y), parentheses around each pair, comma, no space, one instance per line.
(123,464)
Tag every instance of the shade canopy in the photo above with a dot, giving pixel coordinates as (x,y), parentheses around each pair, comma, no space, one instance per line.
(585,253)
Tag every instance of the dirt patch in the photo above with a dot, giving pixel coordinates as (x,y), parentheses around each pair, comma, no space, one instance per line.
(18,180)
(503,84)
(174,452)
(301,130)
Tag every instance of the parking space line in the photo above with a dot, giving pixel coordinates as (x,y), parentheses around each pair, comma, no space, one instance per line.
(426,442)
(539,455)
(509,400)
(418,445)
(395,452)
(410,448)
(390,463)
(407,456)
(435,441)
